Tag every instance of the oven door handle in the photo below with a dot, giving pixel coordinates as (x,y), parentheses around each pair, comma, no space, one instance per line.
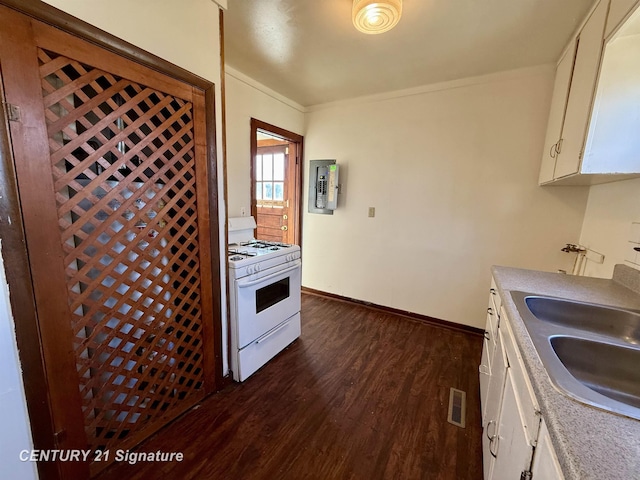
(268,277)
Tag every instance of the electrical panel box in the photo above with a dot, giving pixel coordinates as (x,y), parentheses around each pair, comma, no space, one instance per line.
(323,186)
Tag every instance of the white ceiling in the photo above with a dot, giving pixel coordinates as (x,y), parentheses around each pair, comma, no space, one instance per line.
(309,51)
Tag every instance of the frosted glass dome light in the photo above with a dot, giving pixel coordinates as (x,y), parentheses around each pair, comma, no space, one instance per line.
(372,17)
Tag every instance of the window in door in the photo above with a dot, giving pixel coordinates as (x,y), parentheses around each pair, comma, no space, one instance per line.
(270,185)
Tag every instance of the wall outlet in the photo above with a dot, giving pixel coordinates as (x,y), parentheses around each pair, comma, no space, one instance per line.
(243,212)
(372,211)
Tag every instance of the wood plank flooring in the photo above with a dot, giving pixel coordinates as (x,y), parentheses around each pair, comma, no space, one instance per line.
(361,395)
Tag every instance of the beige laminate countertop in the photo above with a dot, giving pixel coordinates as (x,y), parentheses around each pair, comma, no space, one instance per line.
(590,443)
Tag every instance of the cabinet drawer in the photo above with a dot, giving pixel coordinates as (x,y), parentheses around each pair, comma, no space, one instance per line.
(524,391)
(495,299)
(491,331)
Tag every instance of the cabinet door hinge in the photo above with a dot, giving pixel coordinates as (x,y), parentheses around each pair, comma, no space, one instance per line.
(13,112)
(525,475)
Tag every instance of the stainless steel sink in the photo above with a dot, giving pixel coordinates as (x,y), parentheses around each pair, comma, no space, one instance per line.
(615,322)
(611,370)
(591,352)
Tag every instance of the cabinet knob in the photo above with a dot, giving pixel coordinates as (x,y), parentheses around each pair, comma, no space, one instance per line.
(486,335)
(493,291)
(490,311)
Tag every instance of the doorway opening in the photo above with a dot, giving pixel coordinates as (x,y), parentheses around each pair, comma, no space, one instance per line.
(276,179)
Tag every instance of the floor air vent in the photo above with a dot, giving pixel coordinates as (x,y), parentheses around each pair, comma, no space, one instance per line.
(457,407)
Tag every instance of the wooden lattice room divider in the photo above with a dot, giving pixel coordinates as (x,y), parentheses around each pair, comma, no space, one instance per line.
(113,178)
(122,161)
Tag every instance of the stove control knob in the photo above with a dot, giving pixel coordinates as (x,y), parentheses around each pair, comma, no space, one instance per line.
(258,268)
(250,270)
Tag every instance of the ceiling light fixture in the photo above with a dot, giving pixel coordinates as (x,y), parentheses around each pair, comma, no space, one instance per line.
(372,16)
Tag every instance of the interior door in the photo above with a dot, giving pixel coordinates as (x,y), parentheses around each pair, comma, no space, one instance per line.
(112,173)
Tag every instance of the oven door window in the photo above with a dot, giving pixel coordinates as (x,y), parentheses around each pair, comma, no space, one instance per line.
(272,294)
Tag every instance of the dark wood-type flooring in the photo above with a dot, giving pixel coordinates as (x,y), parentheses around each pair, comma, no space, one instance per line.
(361,395)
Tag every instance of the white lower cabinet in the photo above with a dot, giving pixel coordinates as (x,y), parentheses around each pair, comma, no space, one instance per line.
(513,451)
(545,463)
(488,357)
(493,402)
(515,441)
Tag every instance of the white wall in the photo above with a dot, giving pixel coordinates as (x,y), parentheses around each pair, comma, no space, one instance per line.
(184,32)
(452,171)
(611,209)
(15,434)
(248,99)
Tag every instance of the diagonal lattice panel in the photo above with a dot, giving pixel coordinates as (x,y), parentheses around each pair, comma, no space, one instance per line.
(123,165)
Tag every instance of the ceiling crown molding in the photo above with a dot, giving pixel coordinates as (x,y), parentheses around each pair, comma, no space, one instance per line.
(232,72)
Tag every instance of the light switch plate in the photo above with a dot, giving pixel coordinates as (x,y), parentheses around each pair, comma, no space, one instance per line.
(372,211)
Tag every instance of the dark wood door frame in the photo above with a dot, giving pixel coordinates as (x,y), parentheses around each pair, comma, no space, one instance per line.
(15,254)
(293,138)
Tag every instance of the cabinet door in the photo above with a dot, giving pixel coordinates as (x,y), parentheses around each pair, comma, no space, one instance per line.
(511,449)
(488,353)
(485,377)
(492,410)
(545,463)
(617,13)
(557,112)
(585,73)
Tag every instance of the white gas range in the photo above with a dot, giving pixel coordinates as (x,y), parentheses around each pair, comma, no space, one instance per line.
(265,297)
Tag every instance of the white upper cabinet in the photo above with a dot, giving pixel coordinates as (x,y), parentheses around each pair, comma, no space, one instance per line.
(583,82)
(558,109)
(613,143)
(574,89)
(618,12)
(594,116)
